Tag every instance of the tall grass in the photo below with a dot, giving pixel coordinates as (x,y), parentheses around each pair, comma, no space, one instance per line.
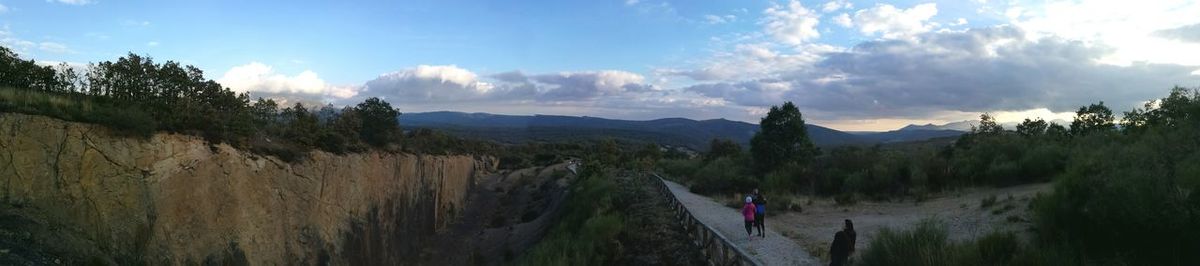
(588,229)
(928,244)
(129,120)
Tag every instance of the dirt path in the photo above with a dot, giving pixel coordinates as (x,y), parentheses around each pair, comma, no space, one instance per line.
(775,249)
(962,212)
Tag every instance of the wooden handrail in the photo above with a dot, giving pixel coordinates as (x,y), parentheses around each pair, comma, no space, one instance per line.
(704,236)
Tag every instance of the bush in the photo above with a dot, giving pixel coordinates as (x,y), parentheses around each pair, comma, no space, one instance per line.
(723,175)
(1124,202)
(587,230)
(928,244)
(788,179)
(679,169)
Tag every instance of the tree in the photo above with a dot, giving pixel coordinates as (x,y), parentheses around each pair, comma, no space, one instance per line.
(650,151)
(302,127)
(718,148)
(1056,131)
(1032,128)
(1177,107)
(987,125)
(782,139)
(379,124)
(348,124)
(649,155)
(68,79)
(1092,118)
(608,152)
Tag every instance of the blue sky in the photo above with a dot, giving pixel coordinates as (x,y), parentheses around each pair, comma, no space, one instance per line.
(853,65)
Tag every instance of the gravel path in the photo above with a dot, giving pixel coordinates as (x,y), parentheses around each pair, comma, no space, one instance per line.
(775,249)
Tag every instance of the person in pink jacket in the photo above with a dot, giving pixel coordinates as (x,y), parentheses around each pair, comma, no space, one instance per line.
(748,213)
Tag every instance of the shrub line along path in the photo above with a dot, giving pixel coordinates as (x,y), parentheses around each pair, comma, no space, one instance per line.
(775,249)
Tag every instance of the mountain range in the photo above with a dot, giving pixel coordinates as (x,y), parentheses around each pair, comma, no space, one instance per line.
(693,134)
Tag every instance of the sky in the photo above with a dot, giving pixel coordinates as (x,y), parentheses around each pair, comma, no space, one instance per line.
(849,65)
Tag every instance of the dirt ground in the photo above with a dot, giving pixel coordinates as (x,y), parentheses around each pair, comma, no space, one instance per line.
(507,213)
(961,211)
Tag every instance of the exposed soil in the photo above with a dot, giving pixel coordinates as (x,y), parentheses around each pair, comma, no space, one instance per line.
(506,214)
(28,240)
(962,212)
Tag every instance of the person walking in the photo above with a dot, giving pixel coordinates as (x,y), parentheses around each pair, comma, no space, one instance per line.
(838,250)
(760,213)
(850,236)
(748,215)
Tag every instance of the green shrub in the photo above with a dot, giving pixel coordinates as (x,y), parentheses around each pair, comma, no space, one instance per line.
(679,169)
(587,230)
(925,244)
(1123,202)
(723,175)
(998,247)
(1003,172)
(788,179)
(928,244)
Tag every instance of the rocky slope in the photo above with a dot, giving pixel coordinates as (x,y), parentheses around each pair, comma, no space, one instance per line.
(174,199)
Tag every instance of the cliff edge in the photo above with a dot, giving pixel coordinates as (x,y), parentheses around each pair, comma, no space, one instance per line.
(175,199)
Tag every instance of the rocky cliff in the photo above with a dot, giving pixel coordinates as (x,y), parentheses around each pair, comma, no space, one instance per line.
(174,199)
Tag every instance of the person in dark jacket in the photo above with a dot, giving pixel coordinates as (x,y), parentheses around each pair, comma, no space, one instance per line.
(760,212)
(838,251)
(850,235)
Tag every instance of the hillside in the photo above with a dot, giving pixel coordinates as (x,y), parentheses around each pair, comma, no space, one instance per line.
(669,131)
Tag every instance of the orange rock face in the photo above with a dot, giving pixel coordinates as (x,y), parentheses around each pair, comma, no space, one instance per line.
(171,199)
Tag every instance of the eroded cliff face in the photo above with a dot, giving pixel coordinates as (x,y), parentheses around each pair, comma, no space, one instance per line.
(173,199)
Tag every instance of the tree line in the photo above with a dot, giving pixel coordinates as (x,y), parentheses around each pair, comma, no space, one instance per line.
(134,94)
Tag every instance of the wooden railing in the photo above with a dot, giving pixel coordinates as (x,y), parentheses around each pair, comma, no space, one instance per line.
(715,247)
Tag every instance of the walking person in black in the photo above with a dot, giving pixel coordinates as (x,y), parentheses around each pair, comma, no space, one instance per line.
(839,250)
(843,245)
(851,236)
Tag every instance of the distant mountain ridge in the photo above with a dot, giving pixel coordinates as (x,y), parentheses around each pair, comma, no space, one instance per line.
(958,126)
(694,134)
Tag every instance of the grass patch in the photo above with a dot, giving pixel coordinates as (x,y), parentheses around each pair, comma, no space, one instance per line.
(928,244)
(987,202)
(1007,207)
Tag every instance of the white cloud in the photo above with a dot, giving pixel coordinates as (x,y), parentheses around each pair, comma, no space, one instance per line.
(54,47)
(843,20)
(715,19)
(892,23)
(431,85)
(836,5)
(26,47)
(152,44)
(952,74)
(792,24)
(1128,27)
(631,2)
(587,85)
(428,83)
(3,9)
(262,80)
(959,22)
(72,2)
